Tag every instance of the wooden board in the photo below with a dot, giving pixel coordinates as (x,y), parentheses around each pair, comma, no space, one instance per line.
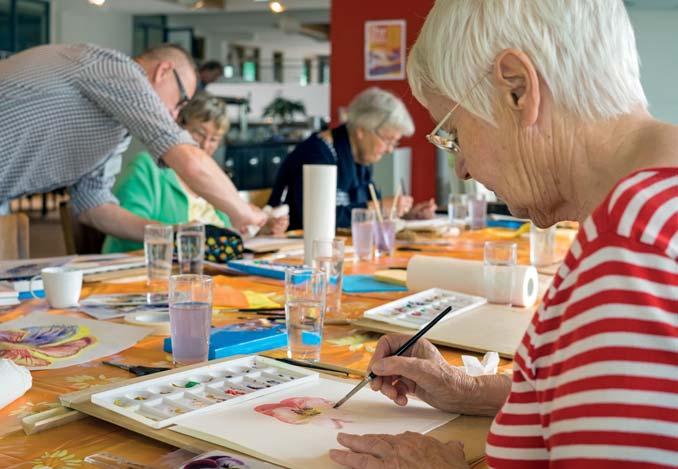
(472,431)
(488,328)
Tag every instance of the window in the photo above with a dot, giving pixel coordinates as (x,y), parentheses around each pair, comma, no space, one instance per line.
(23,24)
(323,69)
(278,64)
(305,78)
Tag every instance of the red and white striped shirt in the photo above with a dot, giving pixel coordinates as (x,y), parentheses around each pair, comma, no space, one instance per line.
(595,379)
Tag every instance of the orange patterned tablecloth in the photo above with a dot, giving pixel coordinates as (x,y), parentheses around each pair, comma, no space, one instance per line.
(67,446)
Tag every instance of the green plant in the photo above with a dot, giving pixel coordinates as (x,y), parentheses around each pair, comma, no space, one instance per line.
(284,109)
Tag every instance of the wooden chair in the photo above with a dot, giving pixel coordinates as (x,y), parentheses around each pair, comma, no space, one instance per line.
(79,238)
(14,236)
(257,197)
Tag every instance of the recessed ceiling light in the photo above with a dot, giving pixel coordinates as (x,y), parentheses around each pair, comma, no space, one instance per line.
(276,7)
(97,2)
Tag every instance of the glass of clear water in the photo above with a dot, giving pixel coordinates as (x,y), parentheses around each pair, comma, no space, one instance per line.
(158,248)
(477,211)
(457,210)
(362,231)
(542,246)
(305,292)
(499,271)
(190,309)
(328,256)
(191,248)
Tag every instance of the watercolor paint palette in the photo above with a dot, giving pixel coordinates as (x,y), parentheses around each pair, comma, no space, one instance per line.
(163,401)
(415,311)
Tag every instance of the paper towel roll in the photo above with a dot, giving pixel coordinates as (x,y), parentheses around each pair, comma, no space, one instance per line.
(320,205)
(466,276)
(16,380)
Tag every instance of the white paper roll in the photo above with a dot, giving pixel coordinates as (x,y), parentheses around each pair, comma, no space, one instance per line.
(466,276)
(320,205)
(16,380)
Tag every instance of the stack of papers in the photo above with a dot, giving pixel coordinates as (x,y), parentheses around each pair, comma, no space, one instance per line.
(8,295)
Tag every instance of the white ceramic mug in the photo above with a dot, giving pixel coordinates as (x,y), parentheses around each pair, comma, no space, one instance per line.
(62,286)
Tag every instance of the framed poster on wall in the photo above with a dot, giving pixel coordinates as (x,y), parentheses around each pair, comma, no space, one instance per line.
(385,50)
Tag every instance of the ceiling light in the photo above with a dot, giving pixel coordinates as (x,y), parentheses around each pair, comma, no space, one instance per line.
(97,2)
(276,7)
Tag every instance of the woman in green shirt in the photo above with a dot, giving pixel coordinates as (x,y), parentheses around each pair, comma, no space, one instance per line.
(158,194)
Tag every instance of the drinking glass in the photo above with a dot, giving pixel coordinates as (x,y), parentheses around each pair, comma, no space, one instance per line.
(328,256)
(499,271)
(457,210)
(190,309)
(477,211)
(542,246)
(305,291)
(384,237)
(191,248)
(158,248)
(362,230)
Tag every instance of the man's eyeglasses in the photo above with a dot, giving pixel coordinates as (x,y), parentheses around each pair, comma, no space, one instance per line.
(183,96)
(448,141)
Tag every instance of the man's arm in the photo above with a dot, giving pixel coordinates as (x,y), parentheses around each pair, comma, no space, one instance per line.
(202,174)
(115,221)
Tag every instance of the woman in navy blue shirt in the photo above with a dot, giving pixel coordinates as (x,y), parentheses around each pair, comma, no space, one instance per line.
(376,121)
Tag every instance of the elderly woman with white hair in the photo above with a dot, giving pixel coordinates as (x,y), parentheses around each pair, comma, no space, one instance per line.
(541,101)
(376,121)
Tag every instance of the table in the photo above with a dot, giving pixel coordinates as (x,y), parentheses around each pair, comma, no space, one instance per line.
(67,446)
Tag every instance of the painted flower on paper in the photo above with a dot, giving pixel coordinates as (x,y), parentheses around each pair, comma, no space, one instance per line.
(56,460)
(86,381)
(303,410)
(30,408)
(218,462)
(43,345)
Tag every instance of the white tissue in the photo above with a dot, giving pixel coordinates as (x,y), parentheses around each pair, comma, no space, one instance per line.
(473,366)
(16,380)
(278,212)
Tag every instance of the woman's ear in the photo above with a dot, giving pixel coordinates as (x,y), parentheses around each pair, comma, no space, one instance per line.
(518,85)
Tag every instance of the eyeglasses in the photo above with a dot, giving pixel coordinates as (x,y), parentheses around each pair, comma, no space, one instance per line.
(183,96)
(389,142)
(448,141)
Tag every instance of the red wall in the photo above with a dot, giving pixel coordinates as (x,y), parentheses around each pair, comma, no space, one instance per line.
(348,74)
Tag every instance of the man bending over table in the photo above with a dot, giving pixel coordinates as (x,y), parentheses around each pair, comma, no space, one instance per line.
(68,112)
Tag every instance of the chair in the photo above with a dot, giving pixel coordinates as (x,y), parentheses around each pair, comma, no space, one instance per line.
(257,197)
(79,238)
(14,236)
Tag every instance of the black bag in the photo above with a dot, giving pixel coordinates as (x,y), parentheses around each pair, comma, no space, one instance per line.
(222,244)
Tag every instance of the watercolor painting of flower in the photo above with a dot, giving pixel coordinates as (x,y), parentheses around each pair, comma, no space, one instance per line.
(304,410)
(218,462)
(87,381)
(56,460)
(43,345)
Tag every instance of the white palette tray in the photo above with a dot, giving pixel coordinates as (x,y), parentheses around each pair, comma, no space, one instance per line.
(415,311)
(161,402)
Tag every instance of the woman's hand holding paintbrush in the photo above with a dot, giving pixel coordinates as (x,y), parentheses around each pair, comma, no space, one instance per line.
(423,372)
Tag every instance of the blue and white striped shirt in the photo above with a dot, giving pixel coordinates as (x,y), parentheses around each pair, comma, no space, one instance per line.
(67,113)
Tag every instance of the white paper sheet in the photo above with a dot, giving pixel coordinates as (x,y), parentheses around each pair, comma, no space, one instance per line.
(47,341)
(306,443)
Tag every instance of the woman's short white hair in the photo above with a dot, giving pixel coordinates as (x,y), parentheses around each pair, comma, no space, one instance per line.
(375,108)
(585,51)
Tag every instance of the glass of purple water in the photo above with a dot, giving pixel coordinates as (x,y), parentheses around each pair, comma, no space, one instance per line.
(190,309)
(384,238)
(362,231)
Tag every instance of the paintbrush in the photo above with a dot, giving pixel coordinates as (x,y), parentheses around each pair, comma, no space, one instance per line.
(404,348)
(395,204)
